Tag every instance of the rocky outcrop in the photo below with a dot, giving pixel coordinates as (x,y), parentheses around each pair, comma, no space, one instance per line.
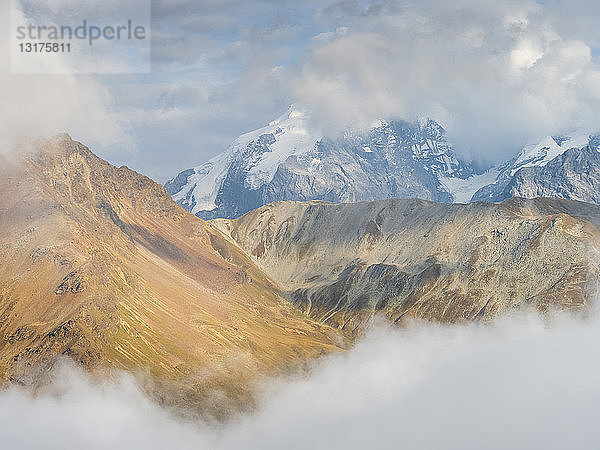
(344,263)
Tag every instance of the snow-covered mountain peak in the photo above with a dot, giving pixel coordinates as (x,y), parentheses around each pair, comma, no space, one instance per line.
(563,166)
(547,149)
(266,148)
(289,160)
(379,123)
(294,121)
(431,126)
(259,152)
(294,114)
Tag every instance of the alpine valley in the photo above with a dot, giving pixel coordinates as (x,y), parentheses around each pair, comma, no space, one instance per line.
(101,267)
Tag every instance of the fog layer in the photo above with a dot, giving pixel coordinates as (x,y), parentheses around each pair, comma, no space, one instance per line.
(518,383)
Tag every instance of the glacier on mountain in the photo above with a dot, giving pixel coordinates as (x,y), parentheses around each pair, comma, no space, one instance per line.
(265,149)
(557,166)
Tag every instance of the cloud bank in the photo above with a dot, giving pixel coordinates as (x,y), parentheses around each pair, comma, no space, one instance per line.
(518,383)
(33,106)
(495,73)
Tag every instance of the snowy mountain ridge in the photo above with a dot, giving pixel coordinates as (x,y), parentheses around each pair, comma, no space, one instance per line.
(547,149)
(289,135)
(288,160)
(557,166)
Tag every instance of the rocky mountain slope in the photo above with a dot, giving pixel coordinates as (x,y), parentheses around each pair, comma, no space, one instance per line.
(556,167)
(287,161)
(343,263)
(99,265)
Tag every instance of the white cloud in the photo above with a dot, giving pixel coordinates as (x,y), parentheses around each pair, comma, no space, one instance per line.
(43,105)
(80,414)
(518,383)
(495,73)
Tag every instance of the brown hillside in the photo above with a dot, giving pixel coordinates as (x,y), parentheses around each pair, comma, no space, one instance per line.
(100,265)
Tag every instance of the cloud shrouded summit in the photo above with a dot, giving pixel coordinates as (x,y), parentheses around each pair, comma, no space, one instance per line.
(496,74)
(41,105)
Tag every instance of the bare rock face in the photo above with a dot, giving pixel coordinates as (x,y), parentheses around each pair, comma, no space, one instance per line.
(100,266)
(343,263)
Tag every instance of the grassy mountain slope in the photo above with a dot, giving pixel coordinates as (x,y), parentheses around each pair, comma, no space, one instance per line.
(101,266)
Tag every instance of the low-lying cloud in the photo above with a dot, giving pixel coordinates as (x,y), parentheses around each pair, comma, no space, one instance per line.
(496,73)
(42,105)
(518,383)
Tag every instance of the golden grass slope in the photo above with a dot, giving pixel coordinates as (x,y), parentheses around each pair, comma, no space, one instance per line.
(100,265)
